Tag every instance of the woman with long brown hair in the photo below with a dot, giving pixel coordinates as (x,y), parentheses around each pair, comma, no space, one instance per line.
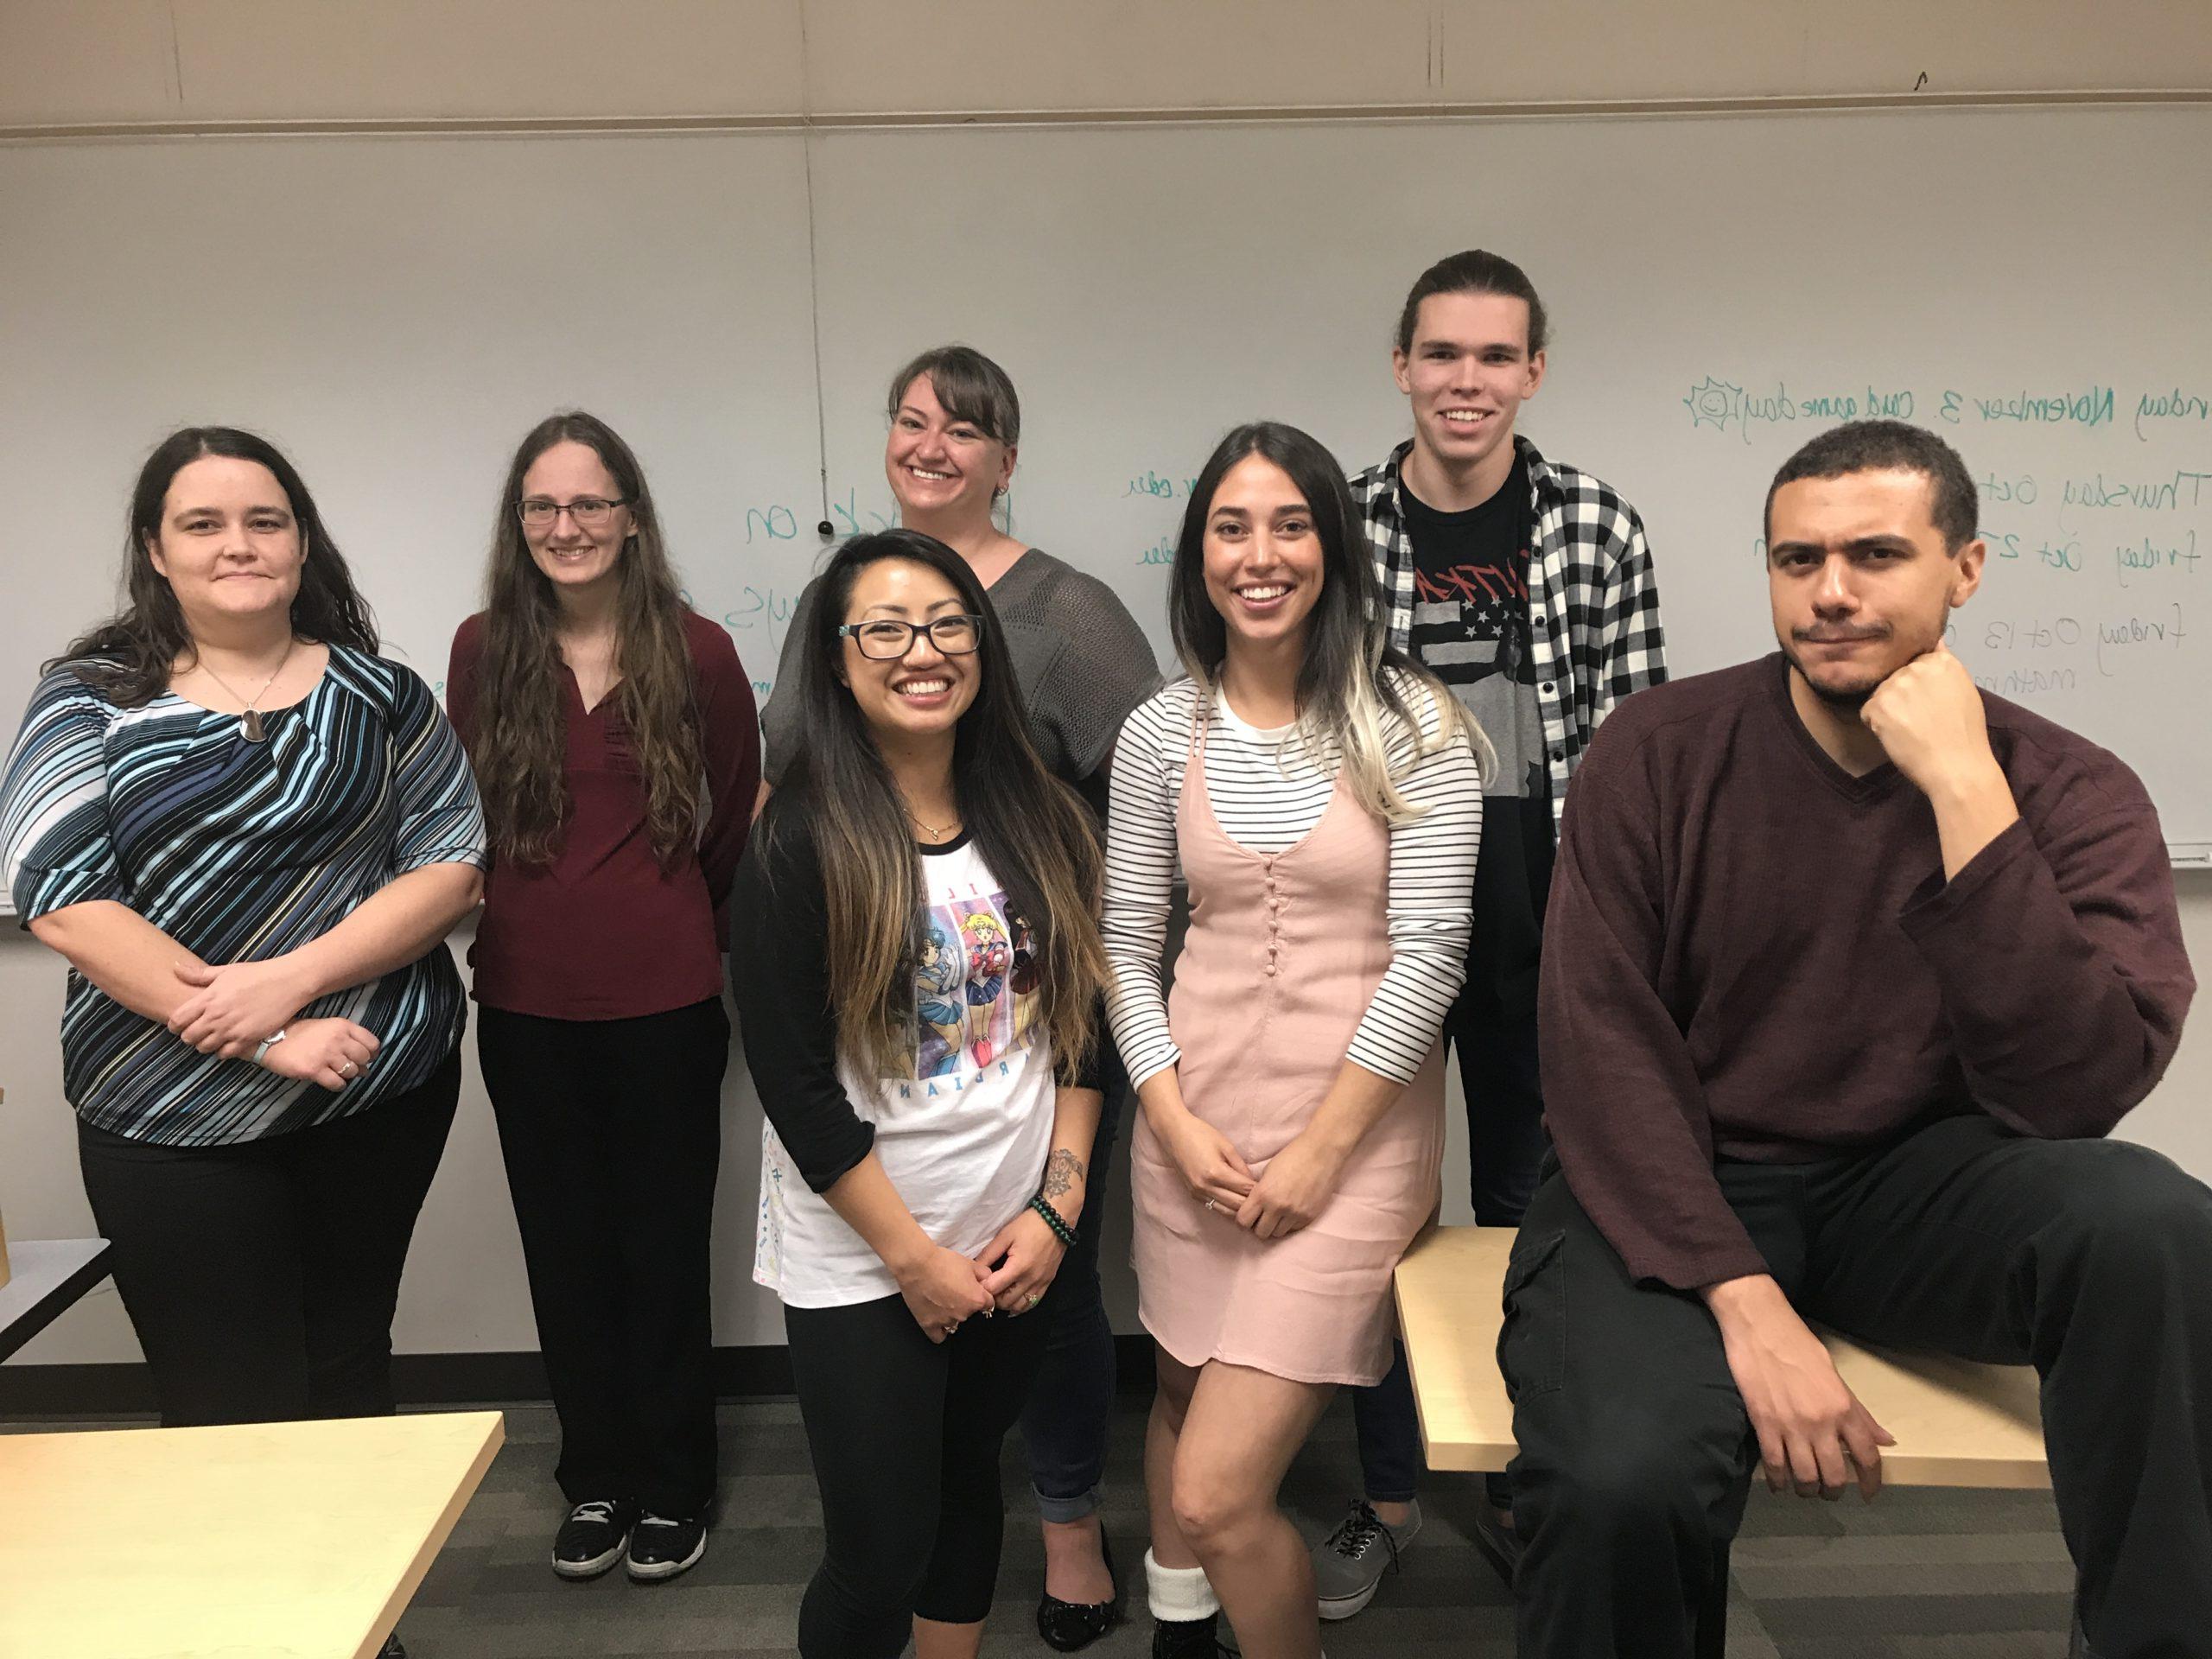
(614,739)
(954,422)
(1322,795)
(918,963)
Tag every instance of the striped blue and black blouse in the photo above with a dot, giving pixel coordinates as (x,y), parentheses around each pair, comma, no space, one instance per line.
(241,852)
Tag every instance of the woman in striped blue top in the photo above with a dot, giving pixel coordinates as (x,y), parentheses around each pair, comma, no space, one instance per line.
(249,834)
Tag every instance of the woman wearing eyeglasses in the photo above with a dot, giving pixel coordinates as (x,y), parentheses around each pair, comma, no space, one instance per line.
(1083,665)
(614,743)
(918,963)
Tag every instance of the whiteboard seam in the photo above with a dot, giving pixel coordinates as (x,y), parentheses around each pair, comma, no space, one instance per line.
(813,275)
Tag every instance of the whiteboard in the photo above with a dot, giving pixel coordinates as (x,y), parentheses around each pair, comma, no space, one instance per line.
(397,312)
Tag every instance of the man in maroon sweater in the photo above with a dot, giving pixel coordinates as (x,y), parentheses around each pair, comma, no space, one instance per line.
(1849,969)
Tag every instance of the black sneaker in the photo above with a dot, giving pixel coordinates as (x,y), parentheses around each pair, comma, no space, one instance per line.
(590,1541)
(1496,1537)
(661,1549)
(391,1650)
(1187,1638)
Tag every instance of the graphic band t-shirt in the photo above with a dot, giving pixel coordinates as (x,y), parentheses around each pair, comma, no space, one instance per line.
(1470,629)
(962,1131)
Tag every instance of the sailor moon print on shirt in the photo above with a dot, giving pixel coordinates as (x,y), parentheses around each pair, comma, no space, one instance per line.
(975,987)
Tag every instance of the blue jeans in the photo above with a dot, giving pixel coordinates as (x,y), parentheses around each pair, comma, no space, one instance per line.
(1065,1426)
(1505,1147)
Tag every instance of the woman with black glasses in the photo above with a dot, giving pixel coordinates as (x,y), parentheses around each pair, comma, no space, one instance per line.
(1082,663)
(614,739)
(918,963)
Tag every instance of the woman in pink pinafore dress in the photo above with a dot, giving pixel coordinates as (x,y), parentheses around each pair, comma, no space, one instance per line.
(1322,799)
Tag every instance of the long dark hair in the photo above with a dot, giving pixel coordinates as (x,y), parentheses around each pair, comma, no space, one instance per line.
(129,657)
(1352,677)
(520,746)
(1031,828)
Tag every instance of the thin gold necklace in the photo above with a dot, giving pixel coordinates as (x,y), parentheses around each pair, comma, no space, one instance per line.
(250,726)
(929,830)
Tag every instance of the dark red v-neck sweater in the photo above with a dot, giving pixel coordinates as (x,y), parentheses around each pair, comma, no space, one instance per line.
(603,932)
(1750,953)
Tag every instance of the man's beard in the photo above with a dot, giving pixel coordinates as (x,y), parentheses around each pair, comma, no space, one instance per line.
(1847,703)
(1844,702)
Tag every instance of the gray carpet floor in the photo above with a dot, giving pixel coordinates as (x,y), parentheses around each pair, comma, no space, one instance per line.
(1920,1575)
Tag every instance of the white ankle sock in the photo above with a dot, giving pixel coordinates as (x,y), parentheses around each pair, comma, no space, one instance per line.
(1178,1593)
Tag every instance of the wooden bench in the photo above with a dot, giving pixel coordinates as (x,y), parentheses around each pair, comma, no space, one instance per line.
(1956,1423)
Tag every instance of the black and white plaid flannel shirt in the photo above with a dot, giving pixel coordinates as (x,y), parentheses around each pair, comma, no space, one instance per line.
(1593,605)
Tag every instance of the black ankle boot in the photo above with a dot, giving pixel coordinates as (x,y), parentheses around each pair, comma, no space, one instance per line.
(1187,1638)
(1070,1626)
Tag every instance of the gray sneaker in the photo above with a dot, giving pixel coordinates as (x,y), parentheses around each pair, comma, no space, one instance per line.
(1349,1564)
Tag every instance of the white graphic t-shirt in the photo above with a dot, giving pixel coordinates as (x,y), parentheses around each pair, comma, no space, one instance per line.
(963,1134)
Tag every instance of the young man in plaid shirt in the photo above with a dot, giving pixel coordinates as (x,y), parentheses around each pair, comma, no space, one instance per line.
(1526,586)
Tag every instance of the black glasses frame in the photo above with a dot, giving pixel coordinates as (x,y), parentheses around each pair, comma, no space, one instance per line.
(856,632)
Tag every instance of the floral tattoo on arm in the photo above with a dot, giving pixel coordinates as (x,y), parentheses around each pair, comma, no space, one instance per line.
(1061,1170)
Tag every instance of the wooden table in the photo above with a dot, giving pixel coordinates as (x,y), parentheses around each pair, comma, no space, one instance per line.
(1957,1423)
(270,1540)
(47,1275)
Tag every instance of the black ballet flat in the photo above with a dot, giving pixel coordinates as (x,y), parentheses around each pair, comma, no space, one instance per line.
(1070,1626)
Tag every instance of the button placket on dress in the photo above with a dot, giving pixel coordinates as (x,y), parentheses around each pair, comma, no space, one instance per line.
(1315,1305)
(1274,915)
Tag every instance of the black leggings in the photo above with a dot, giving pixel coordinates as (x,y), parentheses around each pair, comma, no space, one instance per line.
(904,1435)
(261,1277)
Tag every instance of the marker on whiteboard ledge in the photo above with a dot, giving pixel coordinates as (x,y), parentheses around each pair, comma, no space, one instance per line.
(2190,855)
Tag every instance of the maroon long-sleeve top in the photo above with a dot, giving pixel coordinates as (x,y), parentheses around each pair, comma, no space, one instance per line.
(603,931)
(1749,953)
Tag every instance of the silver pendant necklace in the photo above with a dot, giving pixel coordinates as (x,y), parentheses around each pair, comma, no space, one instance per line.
(250,726)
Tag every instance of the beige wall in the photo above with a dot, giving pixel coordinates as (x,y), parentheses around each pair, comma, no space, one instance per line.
(70,62)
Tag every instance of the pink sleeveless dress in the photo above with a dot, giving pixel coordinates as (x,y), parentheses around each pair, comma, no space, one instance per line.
(1284,953)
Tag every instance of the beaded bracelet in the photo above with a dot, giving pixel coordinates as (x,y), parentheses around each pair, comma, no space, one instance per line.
(1061,1230)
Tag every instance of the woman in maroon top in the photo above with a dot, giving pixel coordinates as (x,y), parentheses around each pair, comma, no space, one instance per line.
(615,745)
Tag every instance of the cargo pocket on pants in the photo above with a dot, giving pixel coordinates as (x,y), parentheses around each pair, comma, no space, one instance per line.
(1532,1342)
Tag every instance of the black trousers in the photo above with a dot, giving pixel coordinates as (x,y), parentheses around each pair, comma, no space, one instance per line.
(612,1133)
(1496,1048)
(2090,1260)
(905,1434)
(262,1278)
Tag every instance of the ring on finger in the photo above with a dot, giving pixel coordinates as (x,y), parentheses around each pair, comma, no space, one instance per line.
(348,1070)
(1033,1298)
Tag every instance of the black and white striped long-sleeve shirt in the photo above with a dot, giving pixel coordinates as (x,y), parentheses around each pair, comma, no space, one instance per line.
(241,852)
(1266,793)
